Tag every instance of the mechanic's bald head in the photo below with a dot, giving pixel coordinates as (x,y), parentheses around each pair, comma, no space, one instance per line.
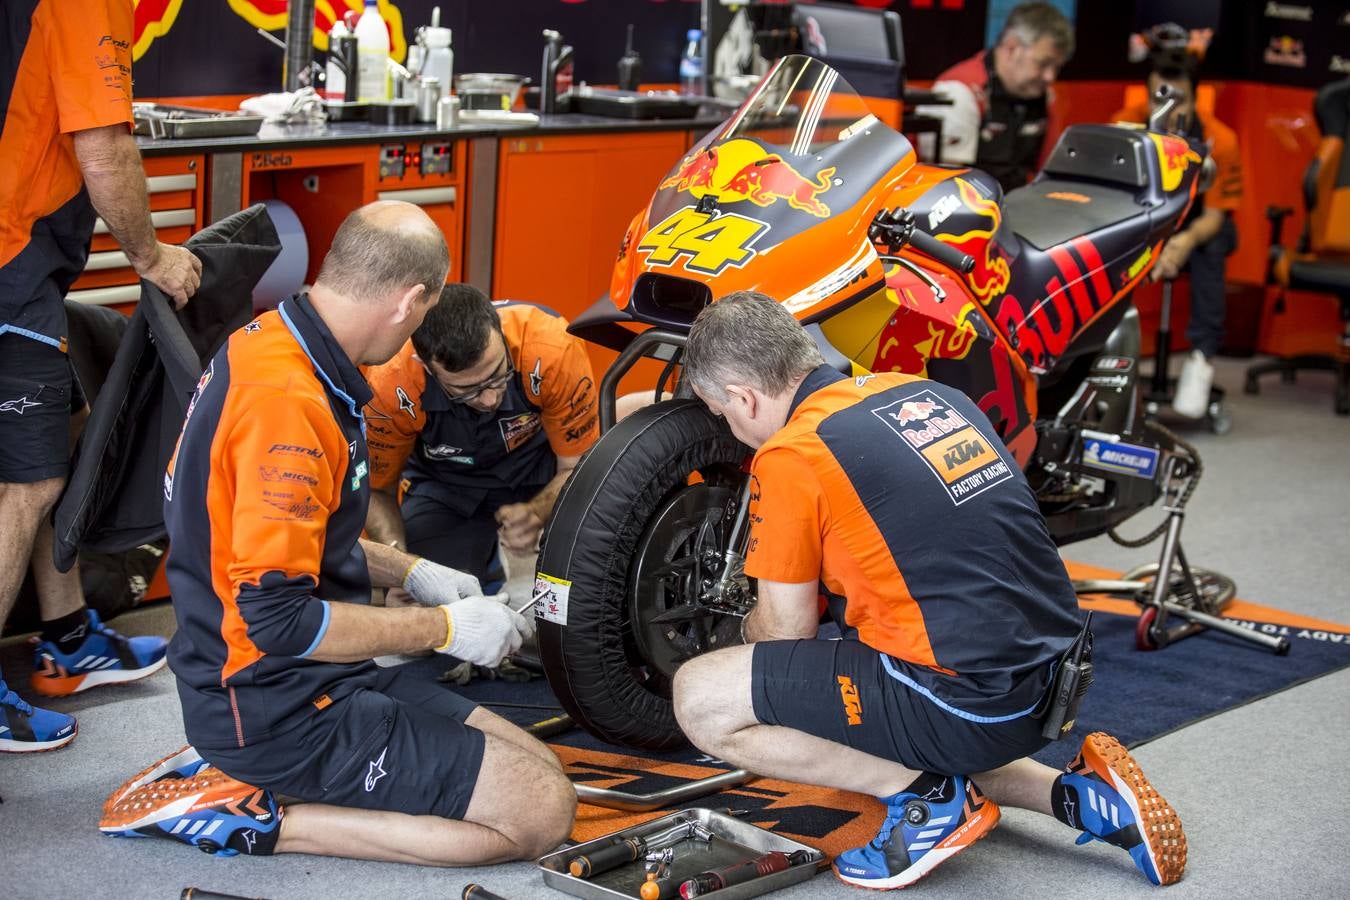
(384,247)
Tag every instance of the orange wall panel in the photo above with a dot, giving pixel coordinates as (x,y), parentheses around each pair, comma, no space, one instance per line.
(563,204)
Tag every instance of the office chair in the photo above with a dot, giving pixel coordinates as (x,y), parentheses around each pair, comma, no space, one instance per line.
(1322,260)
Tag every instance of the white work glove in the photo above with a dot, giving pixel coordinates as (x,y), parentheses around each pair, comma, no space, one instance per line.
(433,584)
(484,630)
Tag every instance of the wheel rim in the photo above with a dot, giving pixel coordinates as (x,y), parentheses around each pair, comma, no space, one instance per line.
(677,559)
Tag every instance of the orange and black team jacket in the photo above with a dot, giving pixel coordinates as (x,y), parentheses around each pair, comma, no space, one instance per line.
(264,500)
(64,67)
(461,456)
(896,493)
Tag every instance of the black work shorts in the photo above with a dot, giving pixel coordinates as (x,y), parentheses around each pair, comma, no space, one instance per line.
(840,691)
(400,746)
(37,395)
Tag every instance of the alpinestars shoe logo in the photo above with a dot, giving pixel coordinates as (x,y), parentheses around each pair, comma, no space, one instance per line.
(250,838)
(536,377)
(937,793)
(376,771)
(22,403)
(405,403)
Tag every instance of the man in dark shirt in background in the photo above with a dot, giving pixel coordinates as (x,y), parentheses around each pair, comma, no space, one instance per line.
(998,114)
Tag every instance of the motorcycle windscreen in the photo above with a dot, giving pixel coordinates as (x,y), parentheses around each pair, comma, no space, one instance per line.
(802,148)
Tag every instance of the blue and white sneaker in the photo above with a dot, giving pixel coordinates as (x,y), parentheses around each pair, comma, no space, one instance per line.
(1106,794)
(208,809)
(919,833)
(25,728)
(105,657)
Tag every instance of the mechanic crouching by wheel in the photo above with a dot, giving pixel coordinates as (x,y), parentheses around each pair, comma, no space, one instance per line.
(483,415)
(897,495)
(265,501)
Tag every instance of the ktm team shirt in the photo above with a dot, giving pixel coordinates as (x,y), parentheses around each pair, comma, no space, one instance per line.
(897,494)
(460,455)
(64,67)
(265,500)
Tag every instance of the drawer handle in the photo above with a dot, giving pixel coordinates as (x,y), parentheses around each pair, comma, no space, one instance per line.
(129,293)
(421,196)
(110,259)
(160,184)
(165,218)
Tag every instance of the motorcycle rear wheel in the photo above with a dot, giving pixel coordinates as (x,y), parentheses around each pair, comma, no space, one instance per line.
(628,529)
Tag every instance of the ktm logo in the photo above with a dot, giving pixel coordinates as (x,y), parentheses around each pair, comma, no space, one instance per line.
(962,453)
(848,692)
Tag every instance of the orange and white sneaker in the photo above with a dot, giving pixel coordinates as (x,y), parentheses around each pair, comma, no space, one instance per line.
(105,657)
(208,809)
(1105,793)
(182,763)
(921,831)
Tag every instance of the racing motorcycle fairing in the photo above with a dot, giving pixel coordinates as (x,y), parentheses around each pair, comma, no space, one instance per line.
(765,202)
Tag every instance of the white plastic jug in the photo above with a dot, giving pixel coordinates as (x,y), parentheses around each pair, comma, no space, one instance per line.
(372,49)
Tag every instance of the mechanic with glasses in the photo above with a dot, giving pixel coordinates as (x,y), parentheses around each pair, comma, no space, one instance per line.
(475,425)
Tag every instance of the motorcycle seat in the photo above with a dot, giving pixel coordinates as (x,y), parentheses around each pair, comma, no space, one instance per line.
(1052,211)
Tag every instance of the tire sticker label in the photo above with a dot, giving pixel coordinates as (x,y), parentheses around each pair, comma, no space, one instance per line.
(550,598)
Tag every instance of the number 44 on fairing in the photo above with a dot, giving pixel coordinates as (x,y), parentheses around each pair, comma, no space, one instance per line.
(711,242)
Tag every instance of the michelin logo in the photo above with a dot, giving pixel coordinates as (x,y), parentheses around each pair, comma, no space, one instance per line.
(1141,462)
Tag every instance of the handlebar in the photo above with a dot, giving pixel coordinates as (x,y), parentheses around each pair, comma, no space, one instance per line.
(897,227)
(946,254)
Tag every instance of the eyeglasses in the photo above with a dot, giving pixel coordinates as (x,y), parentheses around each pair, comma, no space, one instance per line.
(495,383)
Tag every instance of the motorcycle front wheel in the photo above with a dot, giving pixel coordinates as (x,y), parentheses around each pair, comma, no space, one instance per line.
(638,532)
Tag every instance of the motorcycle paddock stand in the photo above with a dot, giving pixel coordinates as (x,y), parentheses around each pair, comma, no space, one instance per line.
(1187,594)
(626,802)
(1162,388)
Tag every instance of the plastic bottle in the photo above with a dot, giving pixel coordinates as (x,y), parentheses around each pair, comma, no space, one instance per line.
(335,74)
(691,64)
(373,50)
(440,59)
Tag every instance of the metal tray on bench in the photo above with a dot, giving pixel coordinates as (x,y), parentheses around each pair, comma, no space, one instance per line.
(733,841)
(157,120)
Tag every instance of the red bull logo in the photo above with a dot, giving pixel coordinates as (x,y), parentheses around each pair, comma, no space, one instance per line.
(914,411)
(991,274)
(910,340)
(742,170)
(772,179)
(1174,158)
(694,171)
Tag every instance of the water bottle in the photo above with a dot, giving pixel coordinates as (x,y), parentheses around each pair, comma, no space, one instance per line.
(373,50)
(691,64)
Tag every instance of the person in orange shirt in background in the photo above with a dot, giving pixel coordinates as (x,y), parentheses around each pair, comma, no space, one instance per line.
(66,153)
(1202,246)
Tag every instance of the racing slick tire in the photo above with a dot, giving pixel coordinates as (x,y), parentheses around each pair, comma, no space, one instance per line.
(631,500)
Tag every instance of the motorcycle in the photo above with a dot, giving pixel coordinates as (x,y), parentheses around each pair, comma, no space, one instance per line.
(1021,300)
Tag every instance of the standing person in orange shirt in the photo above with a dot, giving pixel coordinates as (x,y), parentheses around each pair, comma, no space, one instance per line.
(894,496)
(66,153)
(1208,236)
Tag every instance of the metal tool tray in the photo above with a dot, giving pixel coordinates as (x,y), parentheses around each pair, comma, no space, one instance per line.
(733,841)
(633,104)
(158,120)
